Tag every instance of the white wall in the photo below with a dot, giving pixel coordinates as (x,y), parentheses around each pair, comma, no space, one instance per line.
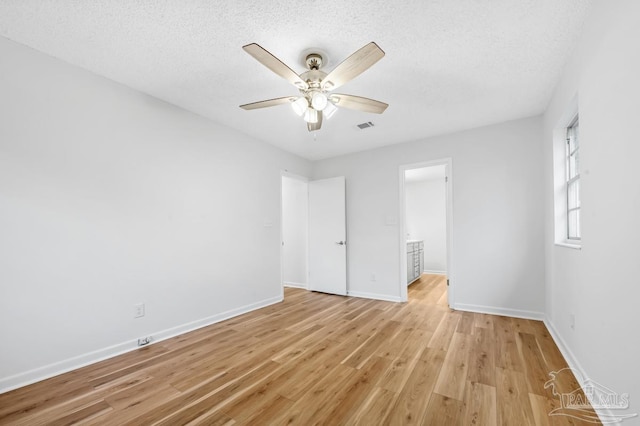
(600,283)
(498,251)
(109,198)
(427,220)
(295,231)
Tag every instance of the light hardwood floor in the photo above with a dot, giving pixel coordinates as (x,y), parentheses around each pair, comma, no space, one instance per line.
(319,359)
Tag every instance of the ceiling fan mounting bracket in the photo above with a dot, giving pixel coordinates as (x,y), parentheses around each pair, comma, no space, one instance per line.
(309,54)
(314,61)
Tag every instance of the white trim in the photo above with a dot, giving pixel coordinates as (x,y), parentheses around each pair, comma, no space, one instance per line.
(564,349)
(428,271)
(573,363)
(51,370)
(402,229)
(288,174)
(295,285)
(506,312)
(569,245)
(375,296)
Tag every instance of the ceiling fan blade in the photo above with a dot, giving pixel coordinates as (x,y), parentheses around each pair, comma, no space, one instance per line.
(268,103)
(358,103)
(275,65)
(353,66)
(312,127)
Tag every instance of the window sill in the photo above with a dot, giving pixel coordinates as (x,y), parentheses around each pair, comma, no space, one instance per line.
(569,245)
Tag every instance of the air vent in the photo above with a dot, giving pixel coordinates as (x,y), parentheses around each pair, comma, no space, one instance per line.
(366,125)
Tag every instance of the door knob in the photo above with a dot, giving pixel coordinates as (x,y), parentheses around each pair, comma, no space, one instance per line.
(341,243)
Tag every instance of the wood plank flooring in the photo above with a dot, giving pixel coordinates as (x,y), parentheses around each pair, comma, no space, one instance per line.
(319,359)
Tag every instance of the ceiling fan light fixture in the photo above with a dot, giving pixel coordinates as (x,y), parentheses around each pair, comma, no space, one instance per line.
(300,105)
(319,101)
(311,116)
(329,110)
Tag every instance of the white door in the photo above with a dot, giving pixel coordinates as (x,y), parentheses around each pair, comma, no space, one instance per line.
(327,236)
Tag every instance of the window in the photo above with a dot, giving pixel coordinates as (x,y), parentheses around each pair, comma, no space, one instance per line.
(566,178)
(572,163)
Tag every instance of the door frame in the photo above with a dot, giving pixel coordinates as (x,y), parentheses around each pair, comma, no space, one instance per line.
(402,229)
(288,174)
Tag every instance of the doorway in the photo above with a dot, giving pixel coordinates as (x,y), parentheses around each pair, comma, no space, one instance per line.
(313,249)
(295,231)
(425,231)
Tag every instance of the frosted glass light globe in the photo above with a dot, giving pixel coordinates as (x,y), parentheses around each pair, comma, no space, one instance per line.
(319,101)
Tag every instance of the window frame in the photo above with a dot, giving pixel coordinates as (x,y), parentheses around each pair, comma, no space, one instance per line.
(572,179)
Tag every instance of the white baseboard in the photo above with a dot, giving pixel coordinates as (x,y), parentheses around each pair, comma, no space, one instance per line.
(375,296)
(295,285)
(507,312)
(574,364)
(54,369)
(562,345)
(428,271)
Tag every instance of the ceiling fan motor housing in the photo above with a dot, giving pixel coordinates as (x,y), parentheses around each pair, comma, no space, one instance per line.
(313,78)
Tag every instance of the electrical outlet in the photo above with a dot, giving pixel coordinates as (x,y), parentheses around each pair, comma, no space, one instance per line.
(138,310)
(373,277)
(143,341)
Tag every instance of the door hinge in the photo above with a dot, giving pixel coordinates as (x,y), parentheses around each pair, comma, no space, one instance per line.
(446,179)
(447,282)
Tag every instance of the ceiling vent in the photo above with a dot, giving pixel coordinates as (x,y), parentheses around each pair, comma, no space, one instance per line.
(366,125)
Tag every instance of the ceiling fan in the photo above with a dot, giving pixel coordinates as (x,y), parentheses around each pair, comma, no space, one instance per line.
(315,85)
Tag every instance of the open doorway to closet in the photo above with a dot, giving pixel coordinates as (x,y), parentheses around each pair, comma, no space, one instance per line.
(426,231)
(295,231)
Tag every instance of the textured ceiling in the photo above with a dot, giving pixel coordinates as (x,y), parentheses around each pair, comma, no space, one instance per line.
(450,64)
